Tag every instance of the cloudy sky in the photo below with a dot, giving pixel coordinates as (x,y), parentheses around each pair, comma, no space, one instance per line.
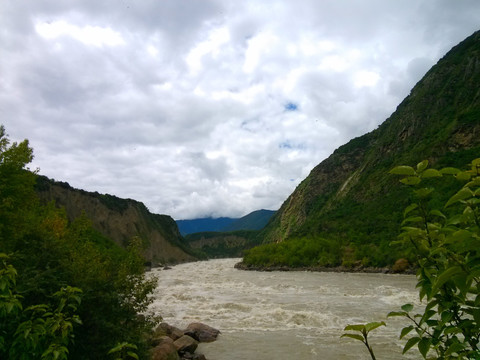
(209,107)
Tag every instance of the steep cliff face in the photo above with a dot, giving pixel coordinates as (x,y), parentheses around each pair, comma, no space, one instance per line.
(438,121)
(121,220)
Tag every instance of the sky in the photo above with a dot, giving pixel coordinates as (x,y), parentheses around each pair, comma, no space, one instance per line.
(209,108)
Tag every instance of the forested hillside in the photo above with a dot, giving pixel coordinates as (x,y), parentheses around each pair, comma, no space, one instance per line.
(348,210)
(120,220)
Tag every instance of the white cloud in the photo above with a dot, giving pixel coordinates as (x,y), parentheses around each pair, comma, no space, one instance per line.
(185,105)
(88,35)
(211,46)
(366,78)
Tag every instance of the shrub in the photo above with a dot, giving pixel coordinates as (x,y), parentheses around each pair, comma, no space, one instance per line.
(447,245)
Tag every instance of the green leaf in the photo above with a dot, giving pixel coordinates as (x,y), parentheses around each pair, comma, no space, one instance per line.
(424,346)
(353,336)
(475,165)
(373,325)
(464,193)
(359,327)
(423,192)
(449,171)
(411,180)
(132,354)
(407,307)
(430,173)
(456,219)
(464,175)
(410,343)
(396,313)
(422,165)
(474,182)
(454,348)
(459,236)
(444,277)
(427,315)
(437,213)
(409,208)
(402,170)
(431,305)
(405,331)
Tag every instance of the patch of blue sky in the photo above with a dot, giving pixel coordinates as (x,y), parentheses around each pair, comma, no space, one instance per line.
(291,146)
(291,106)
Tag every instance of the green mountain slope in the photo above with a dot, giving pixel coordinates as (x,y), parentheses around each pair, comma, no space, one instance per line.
(348,210)
(223,244)
(121,220)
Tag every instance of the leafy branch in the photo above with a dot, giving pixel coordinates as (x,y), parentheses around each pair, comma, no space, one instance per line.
(364,330)
(447,245)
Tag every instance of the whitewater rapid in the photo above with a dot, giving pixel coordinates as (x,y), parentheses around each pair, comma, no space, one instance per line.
(283,315)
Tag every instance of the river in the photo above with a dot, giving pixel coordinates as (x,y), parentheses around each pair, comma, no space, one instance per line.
(284,315)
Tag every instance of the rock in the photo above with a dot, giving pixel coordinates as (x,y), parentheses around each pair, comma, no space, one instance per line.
(169,330)
(186,344)
(166,350)
(202,332)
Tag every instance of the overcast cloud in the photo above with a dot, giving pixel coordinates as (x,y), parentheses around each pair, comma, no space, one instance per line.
(209,108)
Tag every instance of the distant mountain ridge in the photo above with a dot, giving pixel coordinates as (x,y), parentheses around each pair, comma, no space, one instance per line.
(255,220)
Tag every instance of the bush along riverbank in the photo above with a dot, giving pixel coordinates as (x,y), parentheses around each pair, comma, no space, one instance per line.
(400,267)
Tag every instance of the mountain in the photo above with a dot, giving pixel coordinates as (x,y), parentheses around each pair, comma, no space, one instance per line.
(203,224)
(232,240)
(223,244)
(256,220)
(121,220)
(348,210)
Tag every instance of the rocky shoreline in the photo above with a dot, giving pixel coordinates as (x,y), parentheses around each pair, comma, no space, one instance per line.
(336,269)
(170,343)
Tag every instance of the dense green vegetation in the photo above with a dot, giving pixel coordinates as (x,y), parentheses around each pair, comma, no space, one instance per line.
(445,238)
(347,205)
(65,289)
(216,245)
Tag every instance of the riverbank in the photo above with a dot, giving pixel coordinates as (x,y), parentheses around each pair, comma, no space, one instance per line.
(335,269)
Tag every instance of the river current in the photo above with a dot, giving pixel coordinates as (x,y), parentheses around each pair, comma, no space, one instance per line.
(284,315)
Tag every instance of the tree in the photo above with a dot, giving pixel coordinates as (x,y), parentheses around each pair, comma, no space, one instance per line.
(17,196)
(59,272)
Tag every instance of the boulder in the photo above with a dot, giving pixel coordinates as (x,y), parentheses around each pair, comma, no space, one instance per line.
(165,350)
(186,344)
(169,330)
(202,332)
